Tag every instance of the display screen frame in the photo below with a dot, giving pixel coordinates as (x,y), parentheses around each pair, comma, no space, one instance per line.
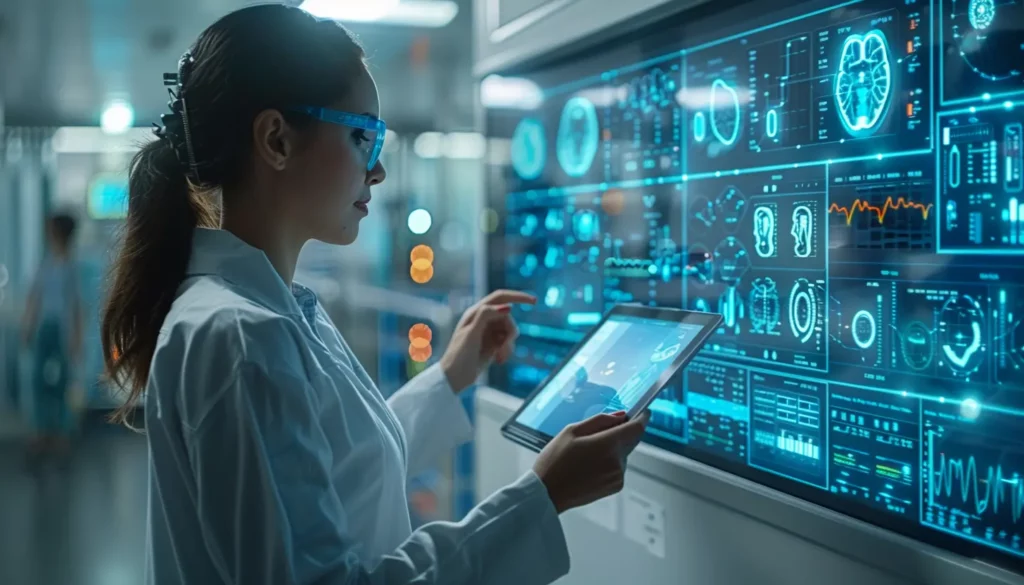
(675,33)
(536,440)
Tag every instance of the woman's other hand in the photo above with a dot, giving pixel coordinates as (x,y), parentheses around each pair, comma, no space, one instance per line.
(587,460)
(486,332)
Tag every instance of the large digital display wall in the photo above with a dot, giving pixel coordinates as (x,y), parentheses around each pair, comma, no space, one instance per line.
(845,184)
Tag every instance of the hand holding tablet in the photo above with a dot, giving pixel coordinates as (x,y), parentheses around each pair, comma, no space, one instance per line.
(621,365)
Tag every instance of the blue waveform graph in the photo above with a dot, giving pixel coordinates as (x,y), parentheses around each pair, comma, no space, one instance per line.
(972,478)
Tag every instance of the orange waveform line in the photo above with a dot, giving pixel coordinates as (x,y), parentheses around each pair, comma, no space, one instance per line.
(889,205)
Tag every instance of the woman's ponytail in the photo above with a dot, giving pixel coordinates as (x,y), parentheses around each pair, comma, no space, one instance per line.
(163,212)
(235,70)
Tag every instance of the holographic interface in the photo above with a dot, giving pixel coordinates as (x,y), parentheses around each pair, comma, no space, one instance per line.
(844,183)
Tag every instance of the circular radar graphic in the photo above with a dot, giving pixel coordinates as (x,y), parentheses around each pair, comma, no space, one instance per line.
(803,309)
(864,84)
(981,13)
(731,260)
(725,112)
(578,134)
(529,149)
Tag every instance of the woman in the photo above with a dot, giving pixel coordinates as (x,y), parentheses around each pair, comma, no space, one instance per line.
(52,328)
(274,459)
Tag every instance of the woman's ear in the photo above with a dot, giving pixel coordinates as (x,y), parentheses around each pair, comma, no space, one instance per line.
(273,139)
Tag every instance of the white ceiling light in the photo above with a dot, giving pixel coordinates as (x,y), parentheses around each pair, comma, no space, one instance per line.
(510,92)
(464,145)
(428,145)
(425,13)
(117,117)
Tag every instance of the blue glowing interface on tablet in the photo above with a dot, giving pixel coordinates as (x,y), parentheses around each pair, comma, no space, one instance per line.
(611,371)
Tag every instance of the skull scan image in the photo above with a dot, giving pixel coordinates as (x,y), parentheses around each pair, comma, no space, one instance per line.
(764,231)
(803,231)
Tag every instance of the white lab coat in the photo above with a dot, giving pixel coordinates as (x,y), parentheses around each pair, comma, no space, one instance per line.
(275,460)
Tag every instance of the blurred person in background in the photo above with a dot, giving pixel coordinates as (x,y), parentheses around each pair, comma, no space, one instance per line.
(52,332)
(274,458)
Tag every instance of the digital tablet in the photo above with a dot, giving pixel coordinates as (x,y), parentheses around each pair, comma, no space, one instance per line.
(622,364)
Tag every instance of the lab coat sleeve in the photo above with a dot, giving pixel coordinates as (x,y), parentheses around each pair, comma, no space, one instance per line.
(432,416)
(270,515)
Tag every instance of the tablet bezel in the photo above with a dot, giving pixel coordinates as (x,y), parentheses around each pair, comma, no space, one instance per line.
(536,440)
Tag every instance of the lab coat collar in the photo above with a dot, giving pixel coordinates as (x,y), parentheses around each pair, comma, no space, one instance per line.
(217,252)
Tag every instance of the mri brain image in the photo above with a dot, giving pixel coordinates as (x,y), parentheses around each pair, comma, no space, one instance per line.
(725,113)
(981,13)
(577,136)
(863,85)
(529,149)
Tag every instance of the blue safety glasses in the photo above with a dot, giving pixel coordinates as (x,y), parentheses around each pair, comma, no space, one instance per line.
(375,128)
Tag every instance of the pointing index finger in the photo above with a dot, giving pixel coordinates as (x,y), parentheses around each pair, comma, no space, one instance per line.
(503,297)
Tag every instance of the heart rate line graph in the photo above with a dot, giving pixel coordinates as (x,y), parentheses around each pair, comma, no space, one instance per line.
(862,206)
(877,211)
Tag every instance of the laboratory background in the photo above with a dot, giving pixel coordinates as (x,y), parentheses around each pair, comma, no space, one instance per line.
(843,181)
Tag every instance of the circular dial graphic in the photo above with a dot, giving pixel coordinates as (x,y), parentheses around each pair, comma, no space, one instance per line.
(578,136)
(803,309)
(529,149)
(864,85)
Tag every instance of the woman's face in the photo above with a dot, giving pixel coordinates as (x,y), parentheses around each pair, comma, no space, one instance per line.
(334,183)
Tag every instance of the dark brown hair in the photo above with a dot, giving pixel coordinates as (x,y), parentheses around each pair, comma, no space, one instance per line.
(262,57)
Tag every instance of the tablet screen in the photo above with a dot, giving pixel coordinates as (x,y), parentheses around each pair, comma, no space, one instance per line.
(610,372)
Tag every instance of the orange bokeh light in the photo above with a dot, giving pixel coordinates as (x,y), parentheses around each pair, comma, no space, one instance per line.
(420,354)
(422,252)
(421,276)
(613,202)
(420,331)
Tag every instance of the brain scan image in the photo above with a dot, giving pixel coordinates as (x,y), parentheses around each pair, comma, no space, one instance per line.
(864,83)
(725,113)
(578,136)
(981,13)
(529,149)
